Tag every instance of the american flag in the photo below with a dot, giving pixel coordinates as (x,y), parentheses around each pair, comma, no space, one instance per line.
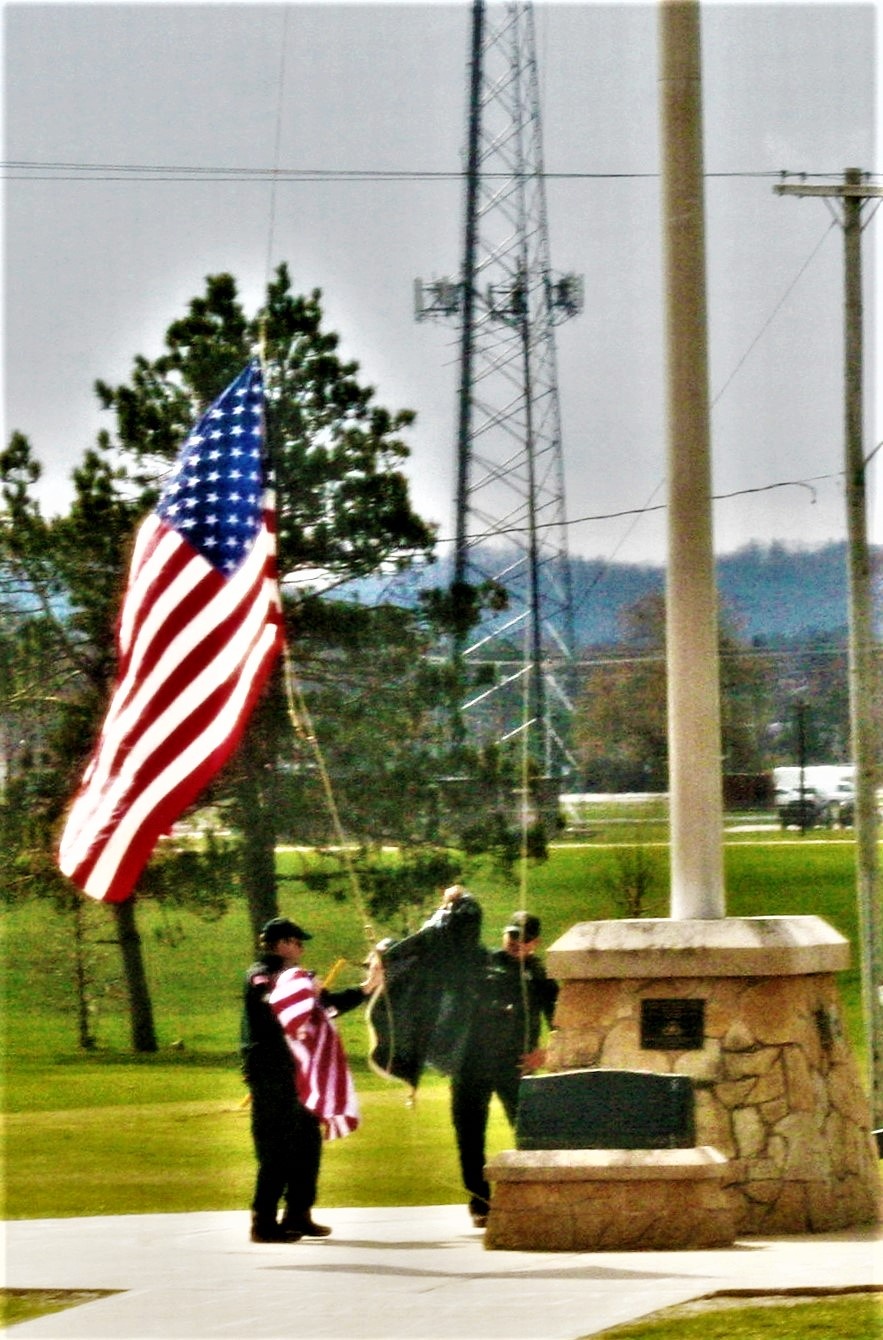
(199,630)
(324,1083)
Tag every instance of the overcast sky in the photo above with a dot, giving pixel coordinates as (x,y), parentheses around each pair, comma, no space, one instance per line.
(98,263)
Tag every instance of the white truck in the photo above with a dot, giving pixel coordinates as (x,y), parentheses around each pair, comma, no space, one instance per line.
(826,788)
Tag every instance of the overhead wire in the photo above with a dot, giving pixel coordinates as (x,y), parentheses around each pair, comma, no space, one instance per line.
(56,170)
(49,170)
(636,512)
(24,169)
(774,313)
(718,396)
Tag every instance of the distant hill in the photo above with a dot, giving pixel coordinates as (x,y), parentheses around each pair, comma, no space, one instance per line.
(774,591)
(771,592)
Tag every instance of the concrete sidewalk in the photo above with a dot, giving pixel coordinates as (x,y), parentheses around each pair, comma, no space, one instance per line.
(385,1274)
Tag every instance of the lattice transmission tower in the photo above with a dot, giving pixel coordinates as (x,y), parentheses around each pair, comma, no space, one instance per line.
(515,667)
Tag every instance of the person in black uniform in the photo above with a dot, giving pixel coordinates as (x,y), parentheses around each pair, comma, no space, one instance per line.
(512,995)
(287,1137)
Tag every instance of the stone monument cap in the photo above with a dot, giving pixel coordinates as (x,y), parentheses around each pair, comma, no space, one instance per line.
(719,947)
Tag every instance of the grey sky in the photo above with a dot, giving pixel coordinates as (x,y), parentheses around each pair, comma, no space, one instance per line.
(96,269)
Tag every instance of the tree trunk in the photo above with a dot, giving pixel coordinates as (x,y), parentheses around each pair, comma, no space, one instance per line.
(81,977)
(140,1007)
(256,806)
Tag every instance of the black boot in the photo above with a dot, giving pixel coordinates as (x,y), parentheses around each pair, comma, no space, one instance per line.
(267,1230)
(302,1226)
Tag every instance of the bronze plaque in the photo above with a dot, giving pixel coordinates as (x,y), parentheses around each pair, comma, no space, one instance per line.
(672,1025)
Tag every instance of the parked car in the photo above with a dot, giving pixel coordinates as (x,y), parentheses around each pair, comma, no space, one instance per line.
(807,809)
(843,802)
(846,813)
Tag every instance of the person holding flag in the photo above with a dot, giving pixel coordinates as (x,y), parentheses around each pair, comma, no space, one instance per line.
(301,1088)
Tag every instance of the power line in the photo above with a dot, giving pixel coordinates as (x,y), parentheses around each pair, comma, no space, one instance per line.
(774,313)
(49,170)
(658,507)
(736,369)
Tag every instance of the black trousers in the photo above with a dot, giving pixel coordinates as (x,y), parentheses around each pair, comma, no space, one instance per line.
(288,1147)
(472,1089)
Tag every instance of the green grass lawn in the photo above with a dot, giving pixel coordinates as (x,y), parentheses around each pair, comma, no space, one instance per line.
(149,1151)
(18,1305)
(846,1318)
(109,1132)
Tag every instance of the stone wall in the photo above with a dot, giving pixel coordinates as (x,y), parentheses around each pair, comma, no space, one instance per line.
(777,1086)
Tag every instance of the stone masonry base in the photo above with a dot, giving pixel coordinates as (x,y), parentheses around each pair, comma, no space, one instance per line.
(586,1200)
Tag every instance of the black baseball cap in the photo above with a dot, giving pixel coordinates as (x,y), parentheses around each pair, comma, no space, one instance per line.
(280,928)
(523,926)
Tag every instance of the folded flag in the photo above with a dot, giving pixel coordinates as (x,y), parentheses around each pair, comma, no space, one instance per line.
(199,630)
(322,1076)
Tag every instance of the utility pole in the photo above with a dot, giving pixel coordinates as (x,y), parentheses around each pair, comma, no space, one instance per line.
(853,193)
(800,708)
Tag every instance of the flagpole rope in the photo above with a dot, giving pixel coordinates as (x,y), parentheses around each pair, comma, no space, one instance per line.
(302,725)
(527,723)
(299,716)
(298,711)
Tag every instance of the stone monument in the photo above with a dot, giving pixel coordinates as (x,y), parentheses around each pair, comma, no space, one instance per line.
(750,1009)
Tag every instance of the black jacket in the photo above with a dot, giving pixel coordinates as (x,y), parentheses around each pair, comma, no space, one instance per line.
(511,1000)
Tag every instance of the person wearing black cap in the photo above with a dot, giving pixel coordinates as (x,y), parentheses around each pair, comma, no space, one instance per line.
(287,1137)
(512,996)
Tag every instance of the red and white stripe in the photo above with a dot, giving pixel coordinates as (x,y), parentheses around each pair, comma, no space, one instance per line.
(195,649)
(324,1083)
